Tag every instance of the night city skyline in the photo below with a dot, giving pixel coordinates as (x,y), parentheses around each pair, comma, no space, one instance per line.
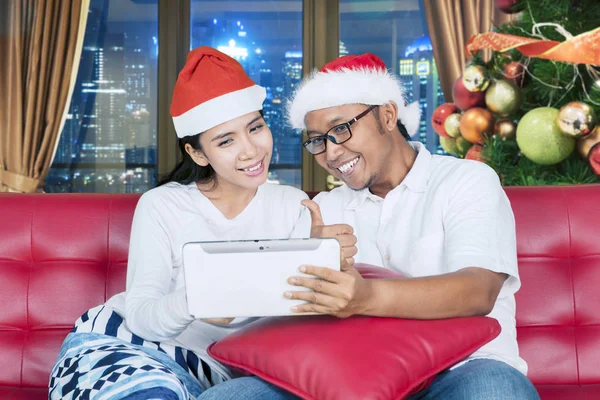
(109,140)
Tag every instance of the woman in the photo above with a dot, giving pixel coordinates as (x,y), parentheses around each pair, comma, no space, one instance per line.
(144,342)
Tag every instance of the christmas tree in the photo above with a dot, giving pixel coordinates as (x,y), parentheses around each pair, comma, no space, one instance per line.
(531,111)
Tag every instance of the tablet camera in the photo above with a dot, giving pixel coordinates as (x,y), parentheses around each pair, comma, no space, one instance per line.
(261,248)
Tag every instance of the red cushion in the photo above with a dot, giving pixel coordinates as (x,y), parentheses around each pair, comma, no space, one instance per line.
(323,357)
(20,393)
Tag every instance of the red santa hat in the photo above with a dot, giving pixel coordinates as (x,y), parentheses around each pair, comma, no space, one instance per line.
(352,79)
(212,88)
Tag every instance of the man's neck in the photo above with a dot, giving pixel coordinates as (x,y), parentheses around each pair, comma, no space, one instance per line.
(399,162)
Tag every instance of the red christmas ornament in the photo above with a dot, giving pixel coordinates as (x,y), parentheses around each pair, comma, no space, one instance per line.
(464,99)
(594,159)
(474,153)
(589,148)
(509,6)
(439,117)
(515,71)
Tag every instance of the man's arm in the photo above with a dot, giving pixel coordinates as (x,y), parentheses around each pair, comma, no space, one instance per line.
(467,292)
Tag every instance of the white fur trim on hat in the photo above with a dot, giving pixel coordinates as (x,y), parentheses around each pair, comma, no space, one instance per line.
(219,110)
(351,86)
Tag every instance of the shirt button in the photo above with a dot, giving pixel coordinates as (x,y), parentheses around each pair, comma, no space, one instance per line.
(387,257)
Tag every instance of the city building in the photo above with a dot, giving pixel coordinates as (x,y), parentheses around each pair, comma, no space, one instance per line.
(418,73)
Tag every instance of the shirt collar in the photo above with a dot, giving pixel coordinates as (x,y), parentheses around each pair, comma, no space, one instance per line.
(418,175)
(191,186)
(415,180)
(358,197)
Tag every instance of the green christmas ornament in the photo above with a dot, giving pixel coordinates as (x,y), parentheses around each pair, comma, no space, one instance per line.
(462,146)
(503,98)
(449,145)
(452,125)
(541,140)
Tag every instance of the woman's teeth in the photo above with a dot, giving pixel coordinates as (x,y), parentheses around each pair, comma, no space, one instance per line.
(255,168)
(346,167)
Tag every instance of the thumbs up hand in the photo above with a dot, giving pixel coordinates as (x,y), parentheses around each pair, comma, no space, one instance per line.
(342,232)
(340,293)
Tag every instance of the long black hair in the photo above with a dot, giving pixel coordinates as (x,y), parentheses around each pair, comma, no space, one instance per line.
(187,171)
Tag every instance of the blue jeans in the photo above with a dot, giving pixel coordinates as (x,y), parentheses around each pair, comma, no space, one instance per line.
(475,380)
(246,388)
(480,379)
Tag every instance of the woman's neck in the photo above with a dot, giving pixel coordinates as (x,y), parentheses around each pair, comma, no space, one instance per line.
(229,200)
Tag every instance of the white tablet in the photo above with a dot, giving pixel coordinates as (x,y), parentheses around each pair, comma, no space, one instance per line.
(248,278)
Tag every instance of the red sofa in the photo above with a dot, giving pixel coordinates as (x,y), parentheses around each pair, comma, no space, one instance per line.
(62,254)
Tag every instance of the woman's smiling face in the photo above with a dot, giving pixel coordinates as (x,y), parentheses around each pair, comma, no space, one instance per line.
(238,150)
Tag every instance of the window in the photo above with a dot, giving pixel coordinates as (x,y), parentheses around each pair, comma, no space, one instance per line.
(266,38)
(108,143)
(396,31)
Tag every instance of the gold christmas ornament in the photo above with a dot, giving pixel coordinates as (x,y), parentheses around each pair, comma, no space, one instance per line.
(476,123)
(503,98)
(576,119)
(506,129)
(452,125)
(476,78)
(585,144)
(333,182)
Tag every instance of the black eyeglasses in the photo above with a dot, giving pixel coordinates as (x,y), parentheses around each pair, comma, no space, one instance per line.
(337,135)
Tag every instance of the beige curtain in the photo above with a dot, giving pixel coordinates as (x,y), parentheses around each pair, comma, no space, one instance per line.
(451,23)
(40,47)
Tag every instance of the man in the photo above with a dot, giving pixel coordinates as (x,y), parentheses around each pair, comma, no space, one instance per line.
(445,223)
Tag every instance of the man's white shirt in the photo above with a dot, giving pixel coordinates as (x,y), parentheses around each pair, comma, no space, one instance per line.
(447,214)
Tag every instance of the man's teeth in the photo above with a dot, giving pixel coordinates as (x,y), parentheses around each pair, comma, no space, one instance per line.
(346,167)
(256,167)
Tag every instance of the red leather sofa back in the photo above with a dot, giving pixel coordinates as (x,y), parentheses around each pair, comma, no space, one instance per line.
(558,306)
(59,255)
(63,254)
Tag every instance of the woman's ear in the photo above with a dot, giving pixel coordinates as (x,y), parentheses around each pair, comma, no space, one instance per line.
(196,155)
(389,115)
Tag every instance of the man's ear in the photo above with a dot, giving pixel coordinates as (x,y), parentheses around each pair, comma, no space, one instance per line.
(389,115)
(197,155)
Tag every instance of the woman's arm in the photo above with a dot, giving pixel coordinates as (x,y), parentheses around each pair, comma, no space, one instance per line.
(153,312)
